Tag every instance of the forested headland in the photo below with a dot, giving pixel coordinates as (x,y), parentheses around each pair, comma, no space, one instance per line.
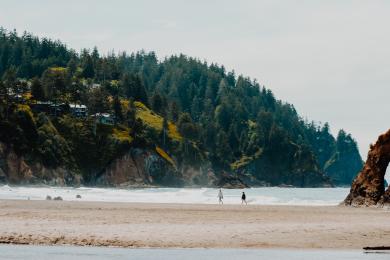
(130,119)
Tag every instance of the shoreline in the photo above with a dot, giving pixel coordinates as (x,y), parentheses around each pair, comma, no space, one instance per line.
(258,196)
(155,225)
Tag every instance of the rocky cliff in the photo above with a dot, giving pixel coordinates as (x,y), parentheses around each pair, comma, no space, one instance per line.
(296,167)
(368,188)
(136,168)
(139,167)
(15,169)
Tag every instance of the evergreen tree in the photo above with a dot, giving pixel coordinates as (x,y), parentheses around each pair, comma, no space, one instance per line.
(223,150)
(9,82)
(37,91)
(126,84)
(98,101)
(88,67)
(117,107)
(187,127)
(174,111)
(139,90)
(157,103)
(130,114)
(72,66)
(54,84)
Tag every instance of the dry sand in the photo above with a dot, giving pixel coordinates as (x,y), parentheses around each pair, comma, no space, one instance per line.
(187,226)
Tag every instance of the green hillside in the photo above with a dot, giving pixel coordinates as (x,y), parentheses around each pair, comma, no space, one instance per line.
(188,112)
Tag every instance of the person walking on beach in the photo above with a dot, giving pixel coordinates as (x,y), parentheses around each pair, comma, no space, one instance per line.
(220,196)
(243,198)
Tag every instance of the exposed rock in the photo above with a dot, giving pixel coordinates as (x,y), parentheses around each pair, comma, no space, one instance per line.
(228,181)
(368,188)
(139,168)
(202,176)
(265,172)
(250,180)
(126,169)
(78,196)
(48,197)
(342,168)
(57,198)
(3,176)
(15,169)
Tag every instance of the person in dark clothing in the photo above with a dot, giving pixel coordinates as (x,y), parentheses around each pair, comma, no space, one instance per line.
(243,198)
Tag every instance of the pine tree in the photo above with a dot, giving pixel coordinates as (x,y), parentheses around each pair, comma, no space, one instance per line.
(117,107)
(9,81)
(174,111)
(72,66)
(139,90)
(130,114)
(157,103)
(37,91)
(186,127)
(88,67)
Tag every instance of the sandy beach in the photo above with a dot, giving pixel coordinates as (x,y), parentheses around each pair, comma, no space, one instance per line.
(191,226)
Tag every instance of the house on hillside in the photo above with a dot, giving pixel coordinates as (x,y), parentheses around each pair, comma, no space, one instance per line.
(49,108)
(53,109)
(78,110)
(104,118)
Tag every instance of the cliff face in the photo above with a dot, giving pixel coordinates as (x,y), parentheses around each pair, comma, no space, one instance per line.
(140,167)
(267,174)
(342,168)
(15,169)
(136,168)
(368,188)
(294,167)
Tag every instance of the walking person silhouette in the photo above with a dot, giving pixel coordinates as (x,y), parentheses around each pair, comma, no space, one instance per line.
(243,198)
(220,196)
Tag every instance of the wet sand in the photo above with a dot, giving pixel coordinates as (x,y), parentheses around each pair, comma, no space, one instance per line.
(191,226)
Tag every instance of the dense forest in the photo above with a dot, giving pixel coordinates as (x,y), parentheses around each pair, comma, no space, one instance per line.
(97,119)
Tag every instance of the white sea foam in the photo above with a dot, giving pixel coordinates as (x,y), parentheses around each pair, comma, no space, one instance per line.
(258,196)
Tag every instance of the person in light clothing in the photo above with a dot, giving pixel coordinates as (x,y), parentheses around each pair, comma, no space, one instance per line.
(220,196)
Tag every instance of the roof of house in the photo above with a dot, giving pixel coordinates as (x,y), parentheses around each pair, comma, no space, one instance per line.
(77,106)
(106,115)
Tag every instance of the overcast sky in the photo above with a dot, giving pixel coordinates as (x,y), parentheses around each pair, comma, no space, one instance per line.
(331,59)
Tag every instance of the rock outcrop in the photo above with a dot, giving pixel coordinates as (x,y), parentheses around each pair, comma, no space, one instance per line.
(136,168)
(368,188)
(127,170)
(228,181)
(139,167)
(15,169)
(343,167)
(265,172)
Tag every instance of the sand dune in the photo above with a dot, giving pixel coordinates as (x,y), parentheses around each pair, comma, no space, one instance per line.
(188,226)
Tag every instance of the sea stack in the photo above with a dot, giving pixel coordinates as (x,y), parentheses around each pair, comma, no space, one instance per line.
(368,188)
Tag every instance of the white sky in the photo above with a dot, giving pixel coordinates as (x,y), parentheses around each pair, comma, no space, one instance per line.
(331,59)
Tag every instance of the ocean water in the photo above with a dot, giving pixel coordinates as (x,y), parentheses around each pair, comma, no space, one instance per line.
(83,253)
(255,196)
